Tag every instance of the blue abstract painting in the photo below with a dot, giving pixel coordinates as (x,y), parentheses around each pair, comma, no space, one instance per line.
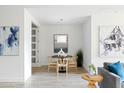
(9,40)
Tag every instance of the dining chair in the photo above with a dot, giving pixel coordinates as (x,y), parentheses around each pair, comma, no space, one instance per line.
(62,65)
(52,63)
(72,63)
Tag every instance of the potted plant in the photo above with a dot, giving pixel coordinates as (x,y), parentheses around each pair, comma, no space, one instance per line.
(79,58)
(92,69)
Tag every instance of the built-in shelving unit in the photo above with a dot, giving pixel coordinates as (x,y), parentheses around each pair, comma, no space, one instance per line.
(35,46)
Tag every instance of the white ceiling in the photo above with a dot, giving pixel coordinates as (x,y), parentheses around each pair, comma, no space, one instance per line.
(70,14)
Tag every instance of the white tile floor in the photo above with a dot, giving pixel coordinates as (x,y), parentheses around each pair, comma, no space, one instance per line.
(49,80)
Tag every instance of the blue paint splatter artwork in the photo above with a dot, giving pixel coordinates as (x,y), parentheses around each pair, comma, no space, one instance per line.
(9,40)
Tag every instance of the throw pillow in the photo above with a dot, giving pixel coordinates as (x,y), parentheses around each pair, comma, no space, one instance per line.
(118,69)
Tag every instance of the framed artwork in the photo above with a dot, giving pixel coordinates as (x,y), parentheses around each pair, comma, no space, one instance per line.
(9,40)
(60,42)
(111,41)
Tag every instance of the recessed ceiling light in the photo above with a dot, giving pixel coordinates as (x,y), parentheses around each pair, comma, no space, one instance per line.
(115,11)
(61,19)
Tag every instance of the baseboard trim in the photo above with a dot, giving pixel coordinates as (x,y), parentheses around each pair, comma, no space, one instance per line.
(12,80)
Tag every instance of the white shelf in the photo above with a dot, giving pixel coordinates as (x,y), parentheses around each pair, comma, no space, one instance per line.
(35,36)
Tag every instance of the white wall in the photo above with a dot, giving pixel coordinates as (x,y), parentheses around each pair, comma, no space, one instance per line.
(12,67)
(103,19)
(46,39)
(17,68)
(86,41)
(28,19)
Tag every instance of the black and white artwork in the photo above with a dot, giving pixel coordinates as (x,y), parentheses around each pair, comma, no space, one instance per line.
(60,42)
(111,41)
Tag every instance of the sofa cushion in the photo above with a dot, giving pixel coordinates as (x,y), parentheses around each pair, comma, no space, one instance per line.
(122,84)
(106,64)
(118,69)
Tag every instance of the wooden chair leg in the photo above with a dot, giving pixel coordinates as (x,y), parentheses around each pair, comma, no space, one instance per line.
(57,71)
(76,69)
(67,70)
(48,69)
